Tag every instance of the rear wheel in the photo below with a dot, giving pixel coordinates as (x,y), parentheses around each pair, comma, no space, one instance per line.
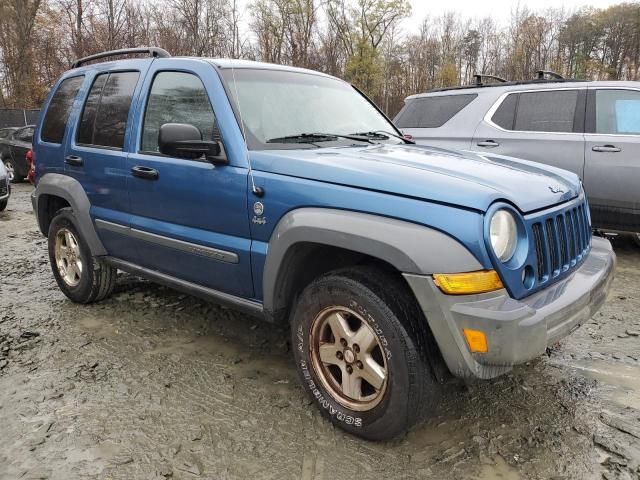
(636,238)
(360,348)
(81,276)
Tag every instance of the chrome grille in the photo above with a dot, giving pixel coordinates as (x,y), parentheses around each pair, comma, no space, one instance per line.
(561,240)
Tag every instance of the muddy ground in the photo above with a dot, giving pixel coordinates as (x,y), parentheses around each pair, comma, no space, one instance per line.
(154,384)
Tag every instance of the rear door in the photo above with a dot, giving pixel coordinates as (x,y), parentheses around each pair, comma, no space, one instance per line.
(96,156)
(612,151)
(189,218)
(543,126)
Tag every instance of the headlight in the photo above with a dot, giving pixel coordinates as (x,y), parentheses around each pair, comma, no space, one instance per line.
(504,234)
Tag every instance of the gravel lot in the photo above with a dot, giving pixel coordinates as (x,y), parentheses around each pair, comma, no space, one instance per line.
(154,384)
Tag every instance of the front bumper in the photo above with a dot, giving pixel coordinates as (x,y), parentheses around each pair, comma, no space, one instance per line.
(516,330)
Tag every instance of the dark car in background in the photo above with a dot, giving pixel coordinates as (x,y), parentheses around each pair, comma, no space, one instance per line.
(14,145)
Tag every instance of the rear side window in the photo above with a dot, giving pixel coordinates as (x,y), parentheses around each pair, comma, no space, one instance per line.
(618,112)
(551,111)
(177,97)
(55,120)
(432,112)
(104,117)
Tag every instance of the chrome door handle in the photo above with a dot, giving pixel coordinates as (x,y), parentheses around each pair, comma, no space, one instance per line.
(488,144)
(73,160)
(606,148)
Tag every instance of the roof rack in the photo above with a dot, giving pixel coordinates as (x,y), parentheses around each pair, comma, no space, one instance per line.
(152,51)
(479,76)
(541,75)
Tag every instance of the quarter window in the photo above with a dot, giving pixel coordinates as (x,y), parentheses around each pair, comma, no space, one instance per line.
(432,112)
(55,120)
(551,111)
(618,112)
(104,117)
(177,97)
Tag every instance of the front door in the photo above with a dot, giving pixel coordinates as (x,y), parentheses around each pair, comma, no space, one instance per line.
(189,217)
(612,153)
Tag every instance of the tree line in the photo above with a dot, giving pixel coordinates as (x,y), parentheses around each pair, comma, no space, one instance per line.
(363,41)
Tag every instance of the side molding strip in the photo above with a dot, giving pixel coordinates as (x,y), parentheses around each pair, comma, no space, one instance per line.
(210,252)
(247,306)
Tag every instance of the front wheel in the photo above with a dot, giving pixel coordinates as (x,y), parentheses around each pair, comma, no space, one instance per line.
(3,204)
(11,169)
(636,238)
(81,276)
(360,349)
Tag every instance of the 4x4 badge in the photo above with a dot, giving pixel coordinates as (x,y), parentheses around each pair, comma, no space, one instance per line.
(258,210)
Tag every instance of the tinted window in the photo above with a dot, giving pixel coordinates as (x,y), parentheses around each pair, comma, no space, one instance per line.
(547,111)
(57,114)
(104,118)
(432,112)
(506,113)
(618,112)
(25,135)
(177,97)
(85,129)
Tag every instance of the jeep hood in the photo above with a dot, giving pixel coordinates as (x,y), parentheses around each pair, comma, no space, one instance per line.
(464,179)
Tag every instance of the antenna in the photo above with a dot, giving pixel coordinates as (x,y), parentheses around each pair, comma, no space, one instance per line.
(257,191)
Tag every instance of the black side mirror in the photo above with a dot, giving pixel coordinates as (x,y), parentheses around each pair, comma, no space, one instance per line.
(184,140)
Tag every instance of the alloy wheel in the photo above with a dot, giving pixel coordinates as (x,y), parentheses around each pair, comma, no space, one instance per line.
(68,258)
(348,358)
(10,170)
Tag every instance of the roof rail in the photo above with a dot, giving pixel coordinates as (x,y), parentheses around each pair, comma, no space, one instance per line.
(152,51)
(479,76)
(541,73)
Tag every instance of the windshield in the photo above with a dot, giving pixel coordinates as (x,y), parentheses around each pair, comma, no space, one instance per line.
(284,109)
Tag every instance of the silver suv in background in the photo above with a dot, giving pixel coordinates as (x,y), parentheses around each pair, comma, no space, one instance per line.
(589,128)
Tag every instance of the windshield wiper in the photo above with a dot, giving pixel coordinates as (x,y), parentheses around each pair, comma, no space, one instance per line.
(317,137)
(384,135)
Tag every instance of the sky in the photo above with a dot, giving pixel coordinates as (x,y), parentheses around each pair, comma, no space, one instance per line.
(500,10)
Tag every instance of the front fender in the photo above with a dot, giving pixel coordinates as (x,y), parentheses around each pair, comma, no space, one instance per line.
(409,247)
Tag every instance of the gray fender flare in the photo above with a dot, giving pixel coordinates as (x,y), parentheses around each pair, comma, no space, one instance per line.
(409,247)
(70,189)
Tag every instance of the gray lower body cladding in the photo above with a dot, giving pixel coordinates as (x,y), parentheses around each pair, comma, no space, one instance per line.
(516,330)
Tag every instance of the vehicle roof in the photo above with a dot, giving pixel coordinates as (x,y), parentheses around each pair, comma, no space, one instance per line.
(521,86)
(221,63)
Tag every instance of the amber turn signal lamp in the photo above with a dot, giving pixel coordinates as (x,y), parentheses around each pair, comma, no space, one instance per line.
(468,283)
(476,340)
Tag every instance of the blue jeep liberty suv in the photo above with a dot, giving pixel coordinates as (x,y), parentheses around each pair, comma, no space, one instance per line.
(287,194)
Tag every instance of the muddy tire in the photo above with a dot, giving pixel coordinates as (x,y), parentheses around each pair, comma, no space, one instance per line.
(3,204)
(81,277)
(360,347)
